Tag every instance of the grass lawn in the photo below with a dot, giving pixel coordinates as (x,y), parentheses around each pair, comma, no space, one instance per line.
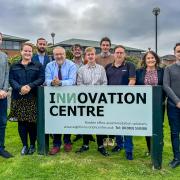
(90,165)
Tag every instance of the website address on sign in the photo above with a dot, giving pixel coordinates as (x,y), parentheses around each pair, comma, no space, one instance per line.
(87,127)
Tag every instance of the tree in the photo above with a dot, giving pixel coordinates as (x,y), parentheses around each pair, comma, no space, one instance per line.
(135,60)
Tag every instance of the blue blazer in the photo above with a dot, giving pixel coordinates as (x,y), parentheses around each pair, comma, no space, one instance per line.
(35,58)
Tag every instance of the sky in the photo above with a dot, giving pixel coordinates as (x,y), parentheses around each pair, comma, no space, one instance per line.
(127,22)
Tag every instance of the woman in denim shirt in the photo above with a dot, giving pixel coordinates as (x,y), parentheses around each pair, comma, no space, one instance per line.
(24,77)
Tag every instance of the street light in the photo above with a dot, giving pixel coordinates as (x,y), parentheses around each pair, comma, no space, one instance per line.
(156,12)
(53,35)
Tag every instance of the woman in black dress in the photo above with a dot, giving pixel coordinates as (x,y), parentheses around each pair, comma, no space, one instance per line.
(24,77)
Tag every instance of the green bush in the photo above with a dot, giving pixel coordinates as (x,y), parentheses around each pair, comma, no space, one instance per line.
(14,59)
(134,60)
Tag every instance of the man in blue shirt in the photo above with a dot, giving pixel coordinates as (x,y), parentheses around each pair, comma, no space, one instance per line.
(60,72)
(41,55)
(121,72)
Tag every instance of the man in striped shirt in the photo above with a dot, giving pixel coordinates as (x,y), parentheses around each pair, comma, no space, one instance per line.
(92,74)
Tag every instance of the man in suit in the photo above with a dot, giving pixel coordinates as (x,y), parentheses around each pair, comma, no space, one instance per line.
(41,55)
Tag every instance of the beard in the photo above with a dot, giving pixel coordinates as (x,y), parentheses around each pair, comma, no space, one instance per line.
(41,50)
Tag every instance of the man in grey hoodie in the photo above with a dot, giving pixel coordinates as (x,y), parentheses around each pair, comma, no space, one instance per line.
(4,75)
(171,85)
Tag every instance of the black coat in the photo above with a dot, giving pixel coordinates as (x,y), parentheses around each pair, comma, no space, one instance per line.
(20,75)
(140,75)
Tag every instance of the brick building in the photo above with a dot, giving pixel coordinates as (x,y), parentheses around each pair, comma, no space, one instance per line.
(12,44)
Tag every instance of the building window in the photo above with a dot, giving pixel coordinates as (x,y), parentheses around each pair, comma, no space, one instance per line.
(11,45)
(16,45)
(3,45)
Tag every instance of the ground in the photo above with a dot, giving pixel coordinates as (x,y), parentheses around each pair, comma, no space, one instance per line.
(90,165)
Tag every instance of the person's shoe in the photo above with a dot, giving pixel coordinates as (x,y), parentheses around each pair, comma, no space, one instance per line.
(32,149)
(105,142)
(5,154)
(54,150)
(83,149)
(116,149)
(79,136)
(174,163)
(24,150)
(110,142)
(129,155)
(103,151)
(67,147)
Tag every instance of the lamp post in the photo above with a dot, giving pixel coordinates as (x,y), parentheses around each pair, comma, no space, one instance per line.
(156,12)
(53,35)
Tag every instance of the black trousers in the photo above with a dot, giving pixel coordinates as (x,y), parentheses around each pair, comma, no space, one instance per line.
(25,129)
(86,139)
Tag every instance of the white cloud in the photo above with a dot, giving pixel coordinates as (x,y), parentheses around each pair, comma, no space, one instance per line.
(129,22)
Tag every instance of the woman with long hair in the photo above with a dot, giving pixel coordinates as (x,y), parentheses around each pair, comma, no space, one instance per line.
(150,73)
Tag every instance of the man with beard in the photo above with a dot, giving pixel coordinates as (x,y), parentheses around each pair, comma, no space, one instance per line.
(60,72)
(41,55)
(77,55)
(78,60)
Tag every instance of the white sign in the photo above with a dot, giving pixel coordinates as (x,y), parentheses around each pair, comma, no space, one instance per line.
(109,110)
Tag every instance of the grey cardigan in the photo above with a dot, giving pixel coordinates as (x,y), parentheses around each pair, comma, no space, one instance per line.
(4,71)
(171,83)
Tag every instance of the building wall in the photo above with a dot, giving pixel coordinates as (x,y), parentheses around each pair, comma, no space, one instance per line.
(137,54)
(11,53)
(11,47)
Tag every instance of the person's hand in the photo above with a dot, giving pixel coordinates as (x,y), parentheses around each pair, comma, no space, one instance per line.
(55,81)
(132,82)
(178,105)
(25,89)
(3,94)
(28,88)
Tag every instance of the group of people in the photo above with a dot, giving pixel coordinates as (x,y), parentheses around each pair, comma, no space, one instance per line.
(103,69)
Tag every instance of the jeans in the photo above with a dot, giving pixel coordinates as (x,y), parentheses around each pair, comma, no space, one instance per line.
(125,142)
(174,123)
(3,121)
(57,139)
